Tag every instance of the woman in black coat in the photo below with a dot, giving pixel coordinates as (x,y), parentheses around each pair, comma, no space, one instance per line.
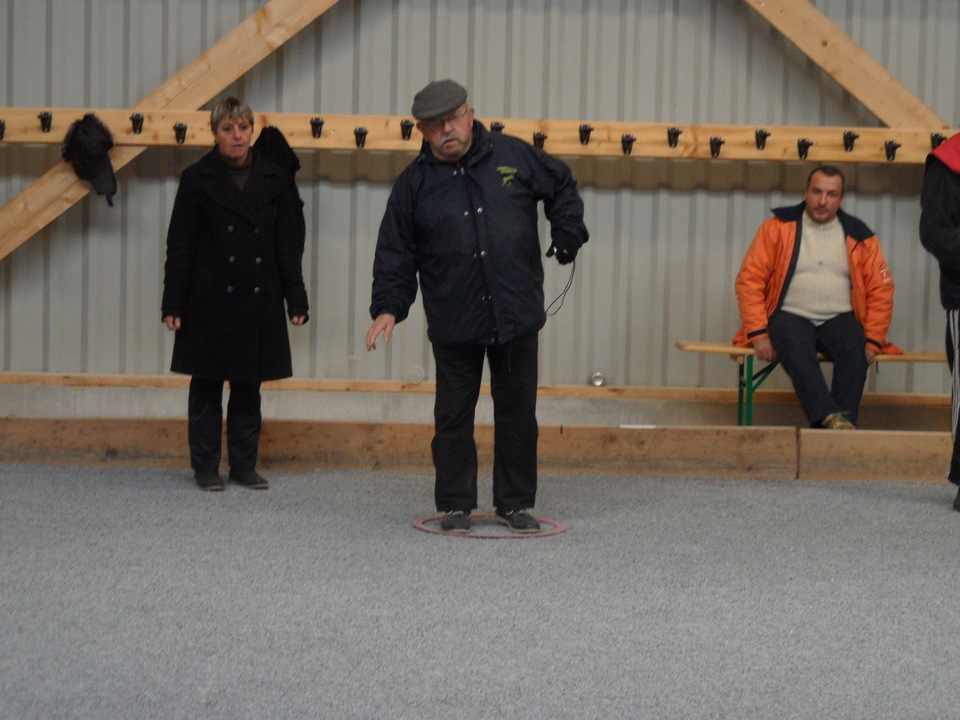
(234,250)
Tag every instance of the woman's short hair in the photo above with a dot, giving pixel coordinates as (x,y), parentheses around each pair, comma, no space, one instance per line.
(230,107)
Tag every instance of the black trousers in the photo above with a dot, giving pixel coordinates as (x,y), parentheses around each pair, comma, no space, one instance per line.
(513,385)
(205,424)
(797,341)
(953,350)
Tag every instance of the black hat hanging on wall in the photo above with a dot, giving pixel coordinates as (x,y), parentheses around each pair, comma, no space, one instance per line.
(86,146)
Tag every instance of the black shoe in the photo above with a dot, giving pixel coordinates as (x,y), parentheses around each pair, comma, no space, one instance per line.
(956,502)
(519,521)
(208,480)
(455,521)
(248,479)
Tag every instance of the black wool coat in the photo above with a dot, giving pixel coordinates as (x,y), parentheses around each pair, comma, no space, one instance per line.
(232,260)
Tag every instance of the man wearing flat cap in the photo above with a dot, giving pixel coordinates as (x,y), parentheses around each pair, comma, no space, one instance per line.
(463,217)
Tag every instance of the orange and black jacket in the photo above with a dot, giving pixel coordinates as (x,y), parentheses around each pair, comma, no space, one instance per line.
(770,262)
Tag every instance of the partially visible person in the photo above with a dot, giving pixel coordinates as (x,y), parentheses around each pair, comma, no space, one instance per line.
(463,217)
(234,251)
(815,281)
(940,235)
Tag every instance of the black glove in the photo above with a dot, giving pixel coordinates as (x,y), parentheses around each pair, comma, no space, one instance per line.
(564,246)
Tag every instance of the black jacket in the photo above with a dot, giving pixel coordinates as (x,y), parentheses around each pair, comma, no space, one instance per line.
(232,260)
(940,226)
(470,231)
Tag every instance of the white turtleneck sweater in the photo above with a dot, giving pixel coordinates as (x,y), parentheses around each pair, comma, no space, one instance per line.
(820,288)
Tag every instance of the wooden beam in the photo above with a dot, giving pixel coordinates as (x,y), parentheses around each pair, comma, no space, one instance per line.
(847,63)
(235,53)
(689,451)
(222,63)
(679,451)
(873,455)
(715,348)
(562,137)
(348,385)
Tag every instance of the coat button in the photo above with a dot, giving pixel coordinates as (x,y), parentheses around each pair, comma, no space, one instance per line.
(256,291)
(229,228)
(258,261)
(229,289)
(256,231)
(232,260)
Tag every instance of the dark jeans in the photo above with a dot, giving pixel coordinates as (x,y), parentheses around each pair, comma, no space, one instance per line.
(205,424)
(513,385)
(797,341)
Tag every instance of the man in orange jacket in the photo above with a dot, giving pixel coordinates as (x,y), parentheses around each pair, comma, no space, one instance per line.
(815,281)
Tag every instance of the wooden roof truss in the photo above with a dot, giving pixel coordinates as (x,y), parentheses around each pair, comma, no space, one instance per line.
(170,116)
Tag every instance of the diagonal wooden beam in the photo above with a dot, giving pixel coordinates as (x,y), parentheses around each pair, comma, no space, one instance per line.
(847,63)
(222,63)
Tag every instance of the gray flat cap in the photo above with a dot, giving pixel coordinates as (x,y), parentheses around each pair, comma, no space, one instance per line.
(437,99)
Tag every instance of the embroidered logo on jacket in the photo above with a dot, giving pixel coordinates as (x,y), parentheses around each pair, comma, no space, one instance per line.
(507,174)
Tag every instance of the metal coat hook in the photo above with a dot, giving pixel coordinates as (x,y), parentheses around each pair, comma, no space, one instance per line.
(891,147)
(935,140)
(3,128)
(497,126)
(406,128)
(673,135)
(762,136)
(849,137)
(46,118)
(539,138)
(803,146)
(316,126)
(626,142)
(180,129)
(136,120)
(715,144)
(360,135)
(585,131)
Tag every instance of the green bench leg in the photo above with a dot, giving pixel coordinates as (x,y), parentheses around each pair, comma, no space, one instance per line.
(747,384)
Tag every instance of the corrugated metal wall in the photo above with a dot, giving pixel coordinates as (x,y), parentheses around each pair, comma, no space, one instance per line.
(667,237)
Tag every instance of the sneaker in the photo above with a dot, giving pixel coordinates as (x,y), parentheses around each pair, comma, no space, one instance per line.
(956,502)
(248,479)
(836,421)
(455,521)
(519,521)
(208,480)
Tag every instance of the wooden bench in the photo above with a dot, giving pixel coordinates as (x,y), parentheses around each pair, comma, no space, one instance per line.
(748,380)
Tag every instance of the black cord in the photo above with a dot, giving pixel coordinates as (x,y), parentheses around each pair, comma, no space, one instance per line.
(562,295)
